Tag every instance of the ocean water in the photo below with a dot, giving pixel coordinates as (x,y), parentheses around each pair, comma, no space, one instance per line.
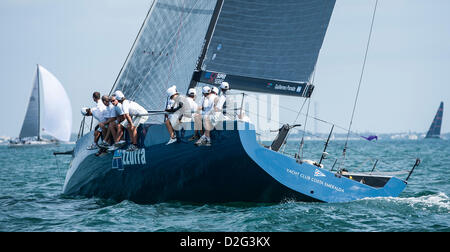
(31,180)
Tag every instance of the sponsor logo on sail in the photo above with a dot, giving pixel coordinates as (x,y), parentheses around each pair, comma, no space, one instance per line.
(285,87)
(215,78)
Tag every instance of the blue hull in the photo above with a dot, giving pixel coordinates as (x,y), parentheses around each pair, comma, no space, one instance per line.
(234,169)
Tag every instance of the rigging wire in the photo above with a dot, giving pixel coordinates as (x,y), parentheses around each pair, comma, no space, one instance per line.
(336,145)
(291,110)
(300,150)
(359,86)
(311,117)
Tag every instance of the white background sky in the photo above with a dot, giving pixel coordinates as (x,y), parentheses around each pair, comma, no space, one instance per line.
(84,44)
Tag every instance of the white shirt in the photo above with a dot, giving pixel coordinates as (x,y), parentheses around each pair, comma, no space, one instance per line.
(175,103)
(170,104)
(208,103)
(192,104)
(118,109)
(110,111)
(132,108)
(98,114)
(100,105)
(221,102)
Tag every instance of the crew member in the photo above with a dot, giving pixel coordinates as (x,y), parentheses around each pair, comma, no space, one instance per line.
(96,98)
(178,107)
(206,108)
(220,105)
(110,115)
(194,110)
(191,99)
(99,116)
(132,115)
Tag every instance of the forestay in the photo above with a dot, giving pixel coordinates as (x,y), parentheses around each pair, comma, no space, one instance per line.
(165,52)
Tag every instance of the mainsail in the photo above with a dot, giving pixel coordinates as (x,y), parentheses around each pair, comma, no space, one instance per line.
(267,46)
(166,51)
(435,128)
(30,126)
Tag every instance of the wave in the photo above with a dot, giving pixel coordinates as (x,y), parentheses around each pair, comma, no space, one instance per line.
(435,202)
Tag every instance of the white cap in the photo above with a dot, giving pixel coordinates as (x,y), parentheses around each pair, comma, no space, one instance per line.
(225,85)
(206,90)
(119,95)
(84,110)
(192,91)
(215,90)
(172,90)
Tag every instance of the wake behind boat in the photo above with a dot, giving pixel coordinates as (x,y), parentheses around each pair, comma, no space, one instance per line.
(56,121)
(272,48)
(30,142)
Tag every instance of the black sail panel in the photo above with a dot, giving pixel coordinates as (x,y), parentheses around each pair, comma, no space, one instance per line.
(270,40)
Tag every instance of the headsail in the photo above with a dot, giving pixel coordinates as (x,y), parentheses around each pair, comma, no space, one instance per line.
(30,126)
(57,120)
(274,44)
(435,128)
(166,51)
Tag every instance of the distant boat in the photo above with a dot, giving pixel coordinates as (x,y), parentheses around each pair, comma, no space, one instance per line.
(435,128)
(370,138)
(57,112)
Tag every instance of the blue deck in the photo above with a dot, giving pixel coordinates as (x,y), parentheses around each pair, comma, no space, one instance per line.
(234,169)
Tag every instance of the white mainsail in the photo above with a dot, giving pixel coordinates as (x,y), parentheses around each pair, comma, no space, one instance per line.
(57,120)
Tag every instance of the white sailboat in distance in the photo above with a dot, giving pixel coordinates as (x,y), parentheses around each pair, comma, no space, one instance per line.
(57,112)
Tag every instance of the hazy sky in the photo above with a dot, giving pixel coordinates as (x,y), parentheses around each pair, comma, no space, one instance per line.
(84,44)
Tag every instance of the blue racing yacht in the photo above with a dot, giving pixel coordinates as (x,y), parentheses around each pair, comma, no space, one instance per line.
(265,46)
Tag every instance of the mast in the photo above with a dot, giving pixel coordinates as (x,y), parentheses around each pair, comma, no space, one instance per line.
(39,105)
(209,34)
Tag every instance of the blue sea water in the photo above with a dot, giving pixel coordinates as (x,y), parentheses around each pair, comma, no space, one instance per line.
(31,180)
